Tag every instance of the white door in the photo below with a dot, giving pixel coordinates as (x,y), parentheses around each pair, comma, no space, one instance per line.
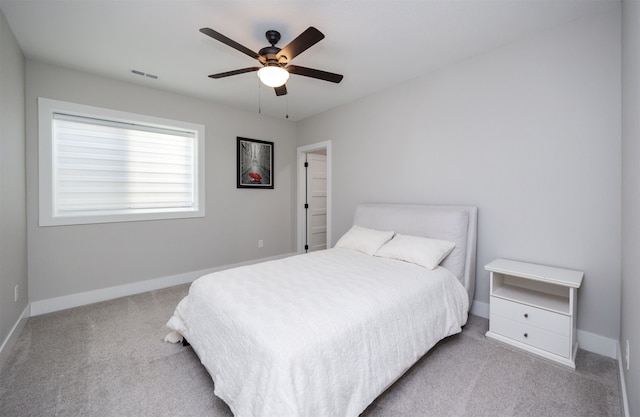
(317,200)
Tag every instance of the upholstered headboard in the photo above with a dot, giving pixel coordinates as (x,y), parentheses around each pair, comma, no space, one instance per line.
(454,223)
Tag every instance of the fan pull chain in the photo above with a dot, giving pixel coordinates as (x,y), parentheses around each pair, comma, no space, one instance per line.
(259,98)
(287,116)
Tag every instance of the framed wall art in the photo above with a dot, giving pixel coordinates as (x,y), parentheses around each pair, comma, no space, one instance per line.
(255,163)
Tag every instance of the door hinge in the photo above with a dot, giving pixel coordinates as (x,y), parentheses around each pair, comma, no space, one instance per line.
(306,206)
(306,247)
(306,165)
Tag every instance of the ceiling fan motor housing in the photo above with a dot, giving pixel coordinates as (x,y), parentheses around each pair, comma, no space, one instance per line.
(268,55)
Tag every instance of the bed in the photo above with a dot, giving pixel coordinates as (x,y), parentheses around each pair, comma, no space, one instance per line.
(325,333)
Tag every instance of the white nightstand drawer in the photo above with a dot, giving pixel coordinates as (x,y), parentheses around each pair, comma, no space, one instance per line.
(530,335)
(532,316)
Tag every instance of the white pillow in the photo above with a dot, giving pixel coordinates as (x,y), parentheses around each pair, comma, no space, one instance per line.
(364,240)
(422,251)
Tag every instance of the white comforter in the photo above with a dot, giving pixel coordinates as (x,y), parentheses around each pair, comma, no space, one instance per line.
(321,334)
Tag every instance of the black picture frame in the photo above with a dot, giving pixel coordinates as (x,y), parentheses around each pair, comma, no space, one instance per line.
(255,163)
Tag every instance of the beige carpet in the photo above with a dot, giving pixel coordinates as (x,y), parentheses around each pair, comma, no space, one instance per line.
(109,359)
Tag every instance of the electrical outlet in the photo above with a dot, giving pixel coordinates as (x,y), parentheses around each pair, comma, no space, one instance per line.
(260,243)
(16,293)
(626,354)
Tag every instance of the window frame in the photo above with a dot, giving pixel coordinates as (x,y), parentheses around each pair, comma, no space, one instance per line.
(46,187)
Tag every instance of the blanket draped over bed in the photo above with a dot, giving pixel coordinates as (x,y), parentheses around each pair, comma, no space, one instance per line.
(315,335)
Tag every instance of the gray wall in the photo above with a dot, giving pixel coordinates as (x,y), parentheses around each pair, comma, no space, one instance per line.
(66,260)
(630,310)
(530,133)
(13,232)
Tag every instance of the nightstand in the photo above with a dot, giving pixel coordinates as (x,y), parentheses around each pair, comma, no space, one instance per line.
(533,307)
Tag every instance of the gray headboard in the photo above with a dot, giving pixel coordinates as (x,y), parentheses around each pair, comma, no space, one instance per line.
(454,223)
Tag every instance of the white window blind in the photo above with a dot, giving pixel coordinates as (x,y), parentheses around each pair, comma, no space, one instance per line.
(101,168)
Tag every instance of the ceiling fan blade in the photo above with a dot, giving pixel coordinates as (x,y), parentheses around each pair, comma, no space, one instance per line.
(314,73)
(304,41)
(234,72)
(281,91)
(229,42)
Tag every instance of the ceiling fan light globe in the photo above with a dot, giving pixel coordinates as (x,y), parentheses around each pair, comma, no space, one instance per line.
(273,76)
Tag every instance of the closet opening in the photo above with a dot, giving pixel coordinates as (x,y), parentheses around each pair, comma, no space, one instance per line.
(314,197)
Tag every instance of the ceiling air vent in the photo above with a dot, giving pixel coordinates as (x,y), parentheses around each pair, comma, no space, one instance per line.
(144,74)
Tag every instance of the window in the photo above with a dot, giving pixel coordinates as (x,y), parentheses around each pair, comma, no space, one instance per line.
(99,165)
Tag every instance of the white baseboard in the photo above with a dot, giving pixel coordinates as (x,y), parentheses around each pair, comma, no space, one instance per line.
(13,335)
(598,344)
(587,341)
(623,385)
(76,300)
(480,309)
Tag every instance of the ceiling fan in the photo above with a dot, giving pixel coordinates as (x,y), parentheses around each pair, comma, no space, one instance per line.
(275,68)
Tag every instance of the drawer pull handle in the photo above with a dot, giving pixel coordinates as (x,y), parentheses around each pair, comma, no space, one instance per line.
(526,315)
(526,335)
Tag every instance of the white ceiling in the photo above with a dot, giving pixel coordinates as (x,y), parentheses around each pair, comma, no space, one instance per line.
(374,44)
